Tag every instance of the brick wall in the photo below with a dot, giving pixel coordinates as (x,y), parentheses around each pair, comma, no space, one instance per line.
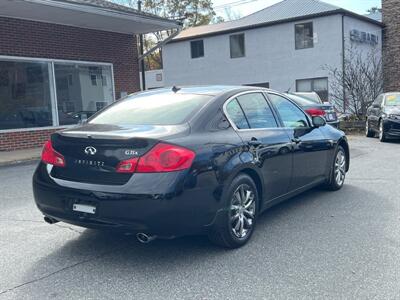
(391,45)
(43,40)
(24,139)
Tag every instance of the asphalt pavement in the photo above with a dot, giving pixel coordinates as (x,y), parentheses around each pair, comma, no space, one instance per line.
(320,245)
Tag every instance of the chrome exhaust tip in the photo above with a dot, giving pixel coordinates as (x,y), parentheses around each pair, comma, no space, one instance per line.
(50,220)
(144,238)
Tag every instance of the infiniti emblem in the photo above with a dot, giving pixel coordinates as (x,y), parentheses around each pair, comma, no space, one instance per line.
(90,150)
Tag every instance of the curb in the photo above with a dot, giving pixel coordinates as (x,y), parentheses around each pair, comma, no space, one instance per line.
(20,162)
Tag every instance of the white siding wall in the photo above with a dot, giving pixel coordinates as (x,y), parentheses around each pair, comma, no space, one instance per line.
(270,57)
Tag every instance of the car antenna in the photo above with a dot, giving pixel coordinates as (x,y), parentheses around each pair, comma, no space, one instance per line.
(288,91)
(175,89)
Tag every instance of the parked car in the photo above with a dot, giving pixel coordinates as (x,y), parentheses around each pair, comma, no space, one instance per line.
(195,160)
(312,96)
(316,109)
(383,117)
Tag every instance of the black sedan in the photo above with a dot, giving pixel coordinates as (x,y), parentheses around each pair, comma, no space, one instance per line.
(383,117)
(196,160)
(316,109)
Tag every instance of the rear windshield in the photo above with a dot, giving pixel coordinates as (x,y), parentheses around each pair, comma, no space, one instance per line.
(300,100)
(393,100)
(310,96)
(152,109)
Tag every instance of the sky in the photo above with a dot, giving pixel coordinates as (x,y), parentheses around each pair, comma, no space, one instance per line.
(246,7)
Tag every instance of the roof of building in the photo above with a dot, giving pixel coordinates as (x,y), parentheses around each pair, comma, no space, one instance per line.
(284,11)
(93,14)
(377,16)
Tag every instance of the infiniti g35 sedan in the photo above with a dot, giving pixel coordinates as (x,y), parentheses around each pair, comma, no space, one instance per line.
(182,161)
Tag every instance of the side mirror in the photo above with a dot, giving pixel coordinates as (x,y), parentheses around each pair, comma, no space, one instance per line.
(318,121)
(375,105)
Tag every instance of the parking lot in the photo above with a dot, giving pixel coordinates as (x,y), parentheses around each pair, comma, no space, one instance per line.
(338,245)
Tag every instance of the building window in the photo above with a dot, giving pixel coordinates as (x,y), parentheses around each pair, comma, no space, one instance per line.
(25,96)
(318,85)
(261,84)
(237,46)
(93,79)
(83,99)
(304,35)
(197,48)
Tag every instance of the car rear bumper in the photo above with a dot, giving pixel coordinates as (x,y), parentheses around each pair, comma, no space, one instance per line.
(184,211)
(334,123)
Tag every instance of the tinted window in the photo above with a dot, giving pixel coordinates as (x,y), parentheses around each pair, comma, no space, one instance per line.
(237,45)
(197,48)
(152,109)
(290,114)
(257,111)
(378,100)
(304,35)
(236,115)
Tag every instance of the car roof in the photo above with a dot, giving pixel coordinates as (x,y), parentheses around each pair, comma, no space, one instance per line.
(211,90)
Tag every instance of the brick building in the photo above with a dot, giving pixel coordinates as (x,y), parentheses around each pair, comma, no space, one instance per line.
(391,45)
(62,60)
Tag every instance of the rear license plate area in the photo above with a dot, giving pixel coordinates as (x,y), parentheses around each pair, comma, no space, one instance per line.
(84,208)
(330,117)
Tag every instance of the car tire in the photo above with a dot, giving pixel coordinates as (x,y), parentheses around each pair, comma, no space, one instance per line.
(368,131)
(338,172)
(382,134)
(235,224)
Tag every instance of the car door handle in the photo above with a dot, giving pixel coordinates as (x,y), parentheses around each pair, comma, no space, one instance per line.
(296,140)
(254,142)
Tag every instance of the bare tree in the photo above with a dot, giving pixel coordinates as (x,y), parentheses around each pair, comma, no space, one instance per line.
(355,88)
(190,12)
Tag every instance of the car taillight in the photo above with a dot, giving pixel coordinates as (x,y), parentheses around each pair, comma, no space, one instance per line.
(51,156)
(127,166)
(313,112)
(161,158)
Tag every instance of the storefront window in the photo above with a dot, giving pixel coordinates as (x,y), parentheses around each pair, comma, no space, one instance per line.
(81,91)
(25,99)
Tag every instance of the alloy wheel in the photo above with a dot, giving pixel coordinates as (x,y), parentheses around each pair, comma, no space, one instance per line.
(381,130)
(340,168)
(243,210)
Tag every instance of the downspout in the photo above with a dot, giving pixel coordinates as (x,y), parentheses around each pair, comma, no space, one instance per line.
(343,67)
(142,55)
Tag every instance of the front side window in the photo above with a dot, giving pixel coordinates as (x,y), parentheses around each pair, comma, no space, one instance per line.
(167,108)
(79,95)
(258,113)
(197,48)
(318,85)
(291,115)
(237,45)
(304,35)
(25,100)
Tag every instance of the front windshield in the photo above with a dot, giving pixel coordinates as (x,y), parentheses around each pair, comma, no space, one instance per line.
(393,100)
(166,108)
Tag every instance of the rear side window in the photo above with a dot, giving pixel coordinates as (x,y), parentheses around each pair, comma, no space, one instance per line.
(257,111)
(152,109)
(290,114)
(236,114)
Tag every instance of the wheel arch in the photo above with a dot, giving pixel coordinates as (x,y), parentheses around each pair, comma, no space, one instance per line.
(257,179)
(343,142)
